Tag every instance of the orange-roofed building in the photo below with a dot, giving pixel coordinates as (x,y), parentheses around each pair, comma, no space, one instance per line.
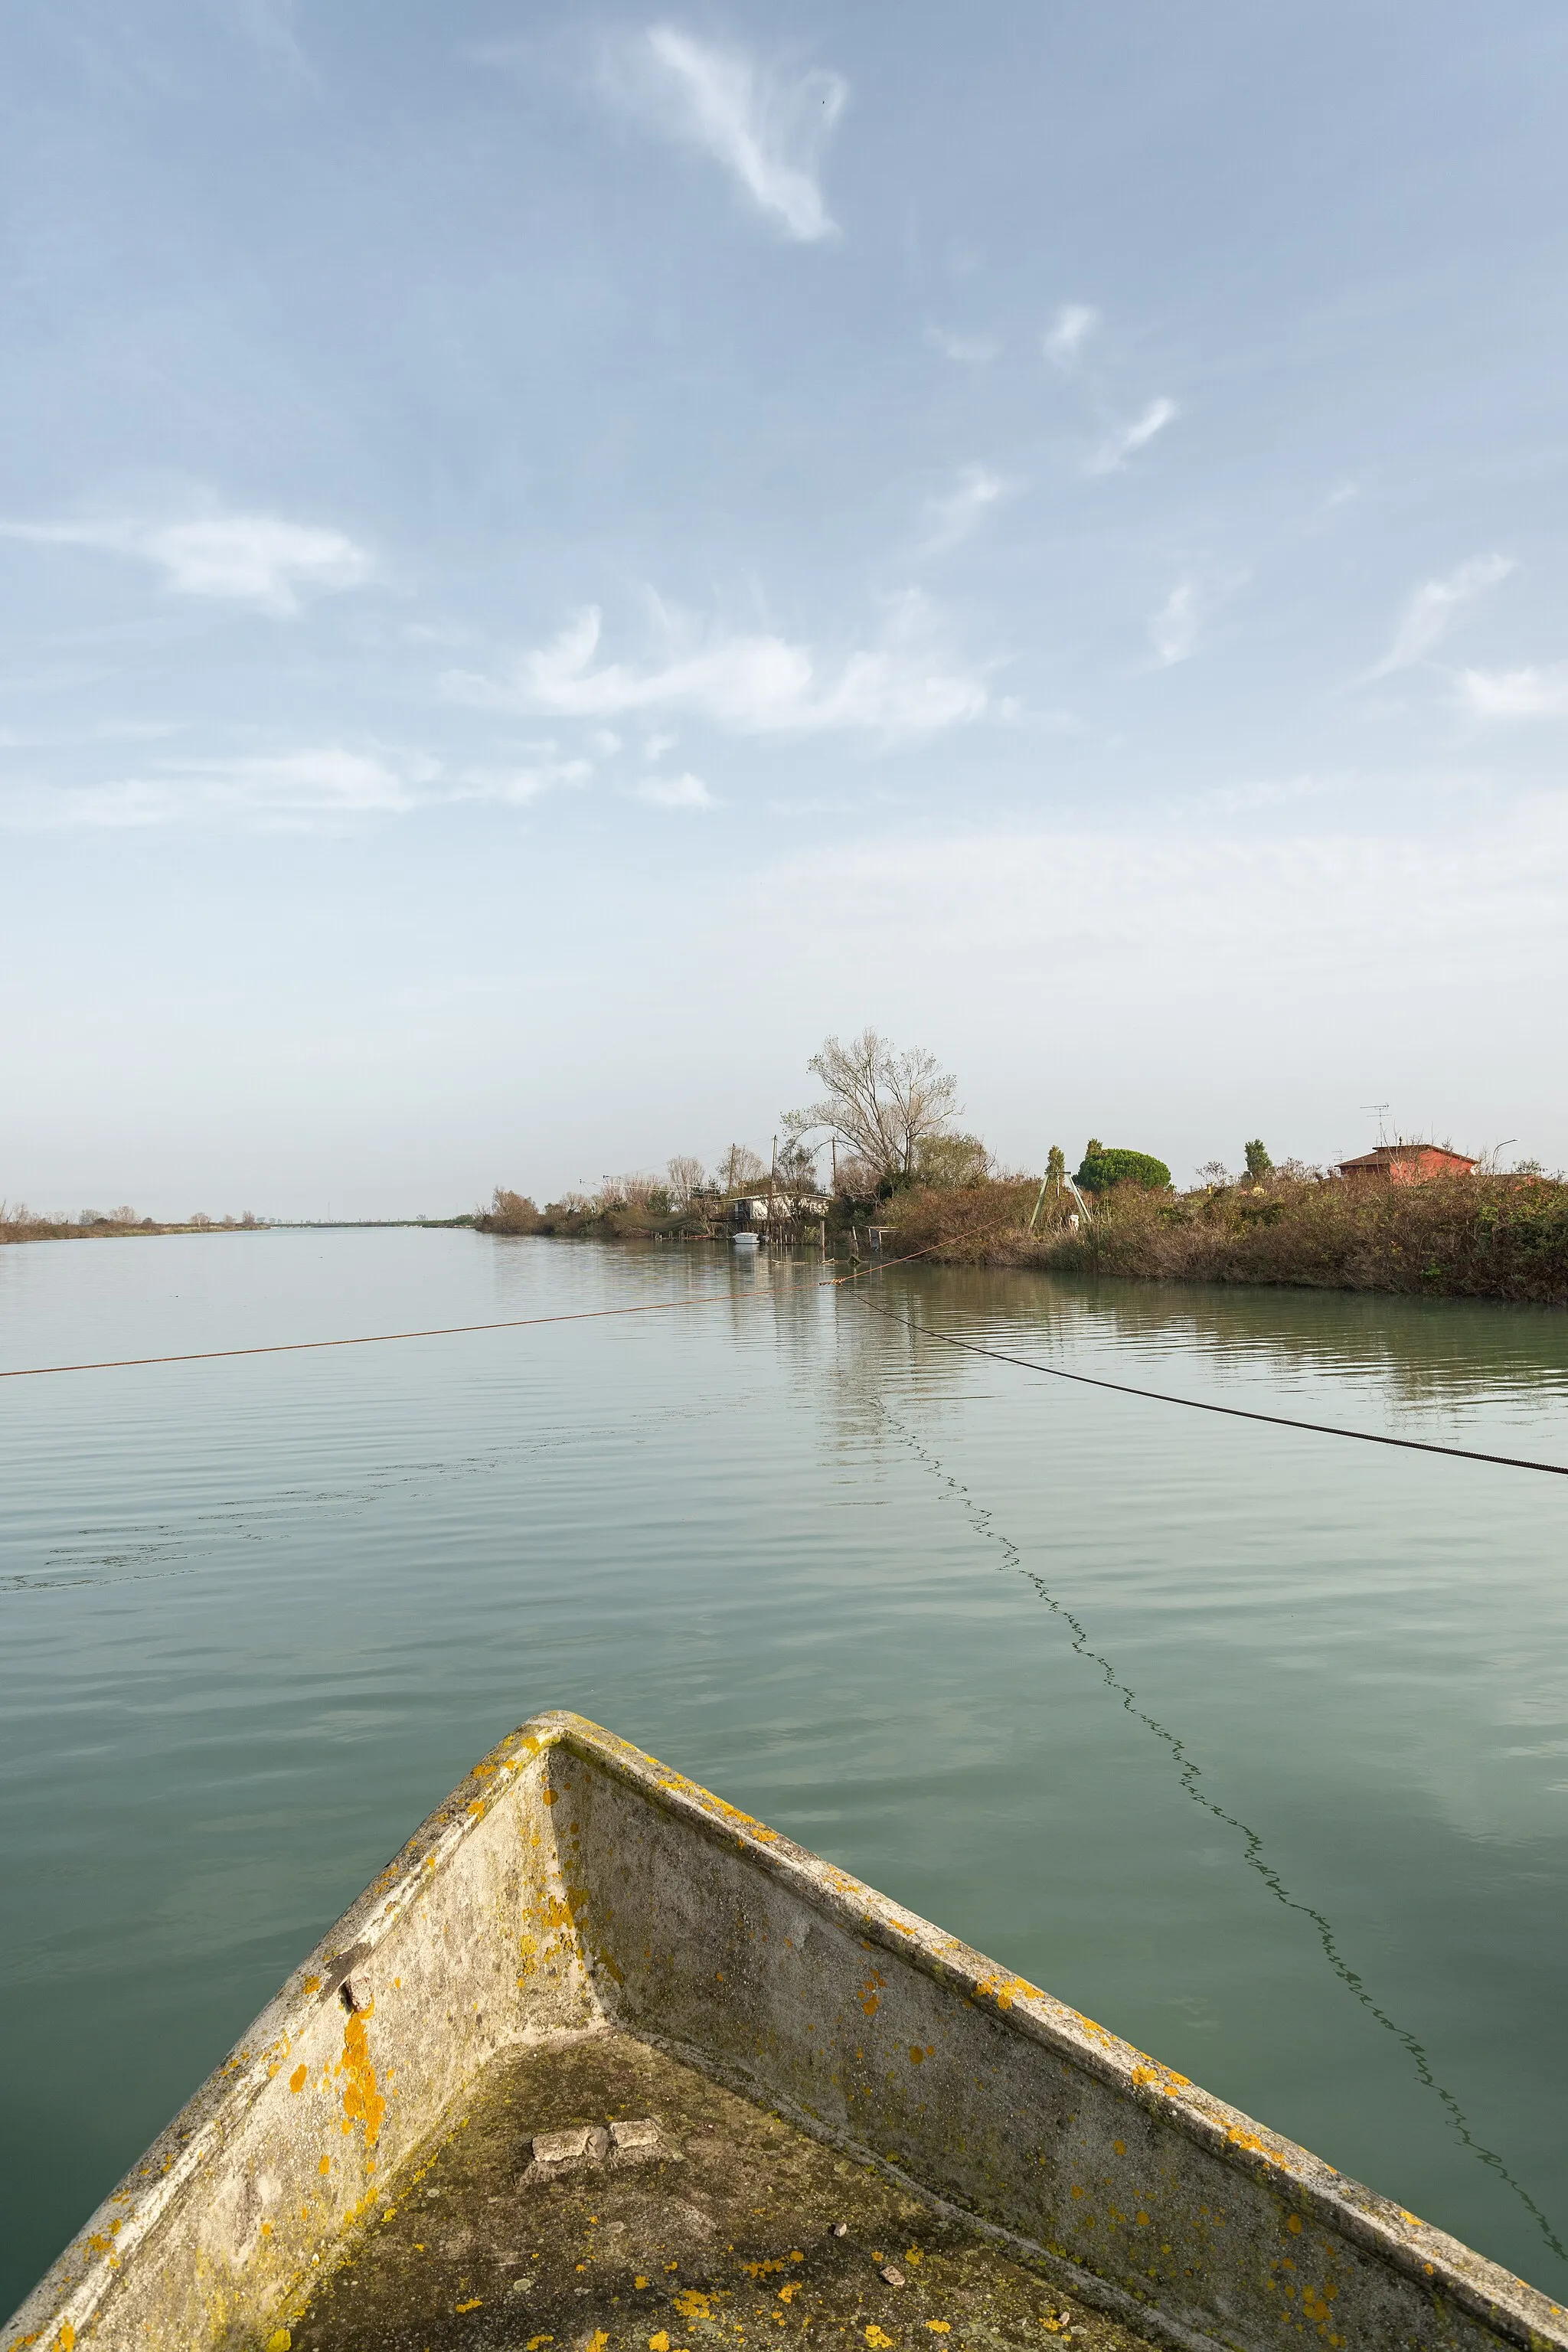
(1409,1164)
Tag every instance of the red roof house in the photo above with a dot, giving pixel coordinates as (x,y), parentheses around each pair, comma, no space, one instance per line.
(1408,1163)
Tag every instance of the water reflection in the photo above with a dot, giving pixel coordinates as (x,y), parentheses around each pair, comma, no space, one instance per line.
(259,1615)
(1427,1355)
(1189,1775)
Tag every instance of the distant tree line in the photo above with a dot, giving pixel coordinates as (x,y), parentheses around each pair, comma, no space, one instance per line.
(886,1121)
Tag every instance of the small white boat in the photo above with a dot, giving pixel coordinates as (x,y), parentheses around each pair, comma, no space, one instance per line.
(746,1241)
(600,2064)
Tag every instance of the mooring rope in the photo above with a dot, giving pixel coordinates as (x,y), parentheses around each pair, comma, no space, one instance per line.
(447,1330)
(1233,1411)
(828,1282)
(1189,1773)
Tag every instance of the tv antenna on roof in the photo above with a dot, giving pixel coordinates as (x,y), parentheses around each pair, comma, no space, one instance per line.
(1381,1110)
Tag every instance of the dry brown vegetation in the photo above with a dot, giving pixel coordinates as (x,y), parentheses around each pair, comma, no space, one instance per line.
(625,1208)
(20,1223)
(1465,1237)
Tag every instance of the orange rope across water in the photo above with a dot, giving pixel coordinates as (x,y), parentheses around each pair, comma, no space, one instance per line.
(445,1330)
(828,1282)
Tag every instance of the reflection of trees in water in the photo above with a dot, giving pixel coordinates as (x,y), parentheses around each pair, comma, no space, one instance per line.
(791,1296)
(1442,1353)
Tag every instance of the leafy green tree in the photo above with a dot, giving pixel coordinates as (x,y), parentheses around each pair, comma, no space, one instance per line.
(1259,1163)
(1056,1166)
(1104,1167)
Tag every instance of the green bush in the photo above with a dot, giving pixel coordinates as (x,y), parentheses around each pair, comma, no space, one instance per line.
(1105,1166)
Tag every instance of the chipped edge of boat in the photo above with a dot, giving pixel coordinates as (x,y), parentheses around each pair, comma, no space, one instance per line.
(60,2309)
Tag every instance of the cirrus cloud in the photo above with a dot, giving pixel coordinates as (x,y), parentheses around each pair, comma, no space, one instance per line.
(673,793)
(1515,693)
(230,556)
(286,790)
(1069,331)
(969,350)
(313,788)
(1114,451)
(1432,609)
(1175,629)
(959,511)
(757,684)
(765,125)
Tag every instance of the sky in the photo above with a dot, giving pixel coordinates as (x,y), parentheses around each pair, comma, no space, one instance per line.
(552,558)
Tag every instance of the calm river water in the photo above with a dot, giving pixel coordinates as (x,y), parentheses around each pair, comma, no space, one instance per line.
(1253,1745)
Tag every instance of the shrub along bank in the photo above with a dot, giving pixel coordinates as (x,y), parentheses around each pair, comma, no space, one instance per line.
(1461,1237)
(614,1215)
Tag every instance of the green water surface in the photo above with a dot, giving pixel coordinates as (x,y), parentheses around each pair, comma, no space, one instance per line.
(1254,1744)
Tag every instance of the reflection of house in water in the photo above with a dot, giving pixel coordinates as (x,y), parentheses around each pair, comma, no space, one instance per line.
(756,1210)
(1408,1163)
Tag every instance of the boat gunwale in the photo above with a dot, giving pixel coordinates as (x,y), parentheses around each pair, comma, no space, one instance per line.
(70,2292)
(1431,2257)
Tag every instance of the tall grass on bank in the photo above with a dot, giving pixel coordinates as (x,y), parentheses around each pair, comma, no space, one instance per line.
(1459,1237)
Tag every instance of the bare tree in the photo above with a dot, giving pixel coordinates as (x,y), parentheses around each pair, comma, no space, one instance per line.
(686,1176)
(949,1162)
(639,1191)
(739,1168)
(881,1104)
(796,1166)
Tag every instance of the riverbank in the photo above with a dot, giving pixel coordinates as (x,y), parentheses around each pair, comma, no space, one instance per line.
(19,1224)
(605,1217)
(1469,1238)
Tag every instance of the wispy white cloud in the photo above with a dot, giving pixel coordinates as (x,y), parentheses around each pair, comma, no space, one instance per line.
(1432,609)
(1515,693)
(675,792)
(1116,449)
(235,558)
(1023,900)
(766,125)
(908,684)
(317,788)
(961,510)
(518,786)
(970,350)
(1175,629)
(1069,331)
(323,784)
